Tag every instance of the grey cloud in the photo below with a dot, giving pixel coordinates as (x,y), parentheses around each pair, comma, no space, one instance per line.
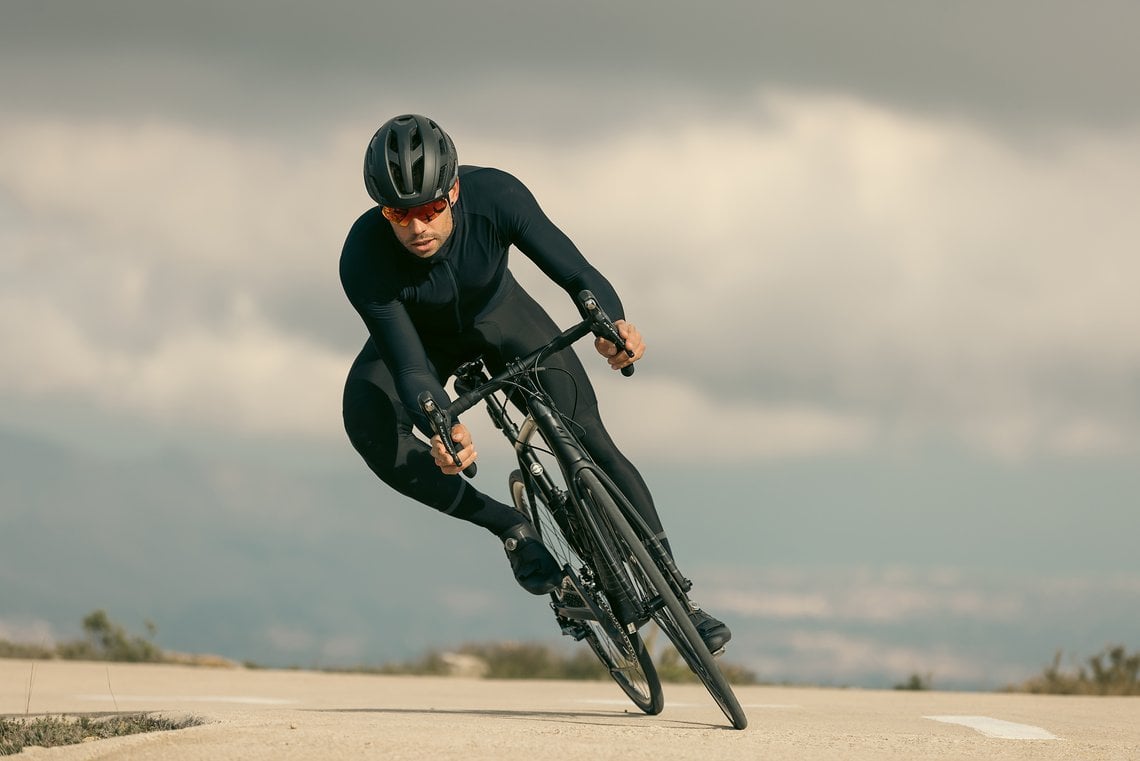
(1016,64)
(849,245)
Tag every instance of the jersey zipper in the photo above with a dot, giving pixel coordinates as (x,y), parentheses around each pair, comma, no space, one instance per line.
(455,288)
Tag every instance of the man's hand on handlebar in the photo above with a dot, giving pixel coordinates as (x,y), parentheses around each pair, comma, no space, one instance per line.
(633,342)
(466,450)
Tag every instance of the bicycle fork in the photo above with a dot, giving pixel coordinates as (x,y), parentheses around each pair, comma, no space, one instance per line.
(570,457)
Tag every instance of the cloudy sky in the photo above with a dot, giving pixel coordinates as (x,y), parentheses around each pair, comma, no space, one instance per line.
(870,230)
(861,226)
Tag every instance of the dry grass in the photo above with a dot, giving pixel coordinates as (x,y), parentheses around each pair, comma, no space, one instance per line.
(1113,671)
(52,731)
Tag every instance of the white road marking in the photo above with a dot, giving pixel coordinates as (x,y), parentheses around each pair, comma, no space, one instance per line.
(243,699)
(991,727)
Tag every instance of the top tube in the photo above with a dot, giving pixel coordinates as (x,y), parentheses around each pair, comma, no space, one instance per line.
(596,321)
(562,341)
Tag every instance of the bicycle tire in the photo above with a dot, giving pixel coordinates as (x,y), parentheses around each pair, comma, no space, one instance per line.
(662,602)
(621,652)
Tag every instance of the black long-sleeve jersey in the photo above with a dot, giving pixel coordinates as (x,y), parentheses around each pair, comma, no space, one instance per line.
(419,309)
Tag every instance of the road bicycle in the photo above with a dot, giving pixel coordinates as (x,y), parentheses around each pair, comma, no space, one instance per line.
(617,576)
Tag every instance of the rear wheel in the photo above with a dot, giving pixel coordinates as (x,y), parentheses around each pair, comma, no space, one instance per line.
(661,601)
(584,612)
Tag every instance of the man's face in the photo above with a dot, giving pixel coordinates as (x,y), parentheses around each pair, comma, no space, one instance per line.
(424,239)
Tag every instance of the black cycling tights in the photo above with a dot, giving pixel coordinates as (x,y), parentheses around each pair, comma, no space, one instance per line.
(381,428)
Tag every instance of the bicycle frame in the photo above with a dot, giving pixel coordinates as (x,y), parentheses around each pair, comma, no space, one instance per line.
(622,557)
(571,456)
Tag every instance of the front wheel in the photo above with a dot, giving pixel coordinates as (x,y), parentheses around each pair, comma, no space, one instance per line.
(621,652)
(658,597)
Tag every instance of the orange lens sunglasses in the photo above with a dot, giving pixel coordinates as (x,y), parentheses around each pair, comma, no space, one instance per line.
(424,212)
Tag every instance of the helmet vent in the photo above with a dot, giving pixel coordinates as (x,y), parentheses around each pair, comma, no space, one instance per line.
(408,185)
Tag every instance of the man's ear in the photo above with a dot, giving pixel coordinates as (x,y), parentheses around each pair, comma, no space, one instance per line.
(453,194)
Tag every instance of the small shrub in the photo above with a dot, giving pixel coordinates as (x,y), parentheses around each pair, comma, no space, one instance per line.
(105,641)
(109,641)
(25,651)
(533,661)
(1113,671)
(671,667)
(916,682)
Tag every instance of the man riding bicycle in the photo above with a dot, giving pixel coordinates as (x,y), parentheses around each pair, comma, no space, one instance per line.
(426,269)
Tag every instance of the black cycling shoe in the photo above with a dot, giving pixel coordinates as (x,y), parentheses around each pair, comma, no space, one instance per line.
(713,631)
(535,568)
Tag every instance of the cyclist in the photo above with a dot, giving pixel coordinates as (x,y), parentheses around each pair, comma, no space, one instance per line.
(426,269)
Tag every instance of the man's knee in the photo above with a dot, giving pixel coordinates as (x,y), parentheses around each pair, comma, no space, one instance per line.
(391,450)
(371,425)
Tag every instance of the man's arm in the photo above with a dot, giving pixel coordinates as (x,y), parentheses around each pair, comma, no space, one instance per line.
(557,256)
(541,241)
(369,289)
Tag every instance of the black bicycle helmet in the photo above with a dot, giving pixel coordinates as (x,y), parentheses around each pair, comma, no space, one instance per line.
(409,162)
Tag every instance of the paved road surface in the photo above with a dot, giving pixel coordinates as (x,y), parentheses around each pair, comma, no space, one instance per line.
(282,715)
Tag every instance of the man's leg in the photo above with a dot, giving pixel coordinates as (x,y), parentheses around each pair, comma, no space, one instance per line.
(382,432)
